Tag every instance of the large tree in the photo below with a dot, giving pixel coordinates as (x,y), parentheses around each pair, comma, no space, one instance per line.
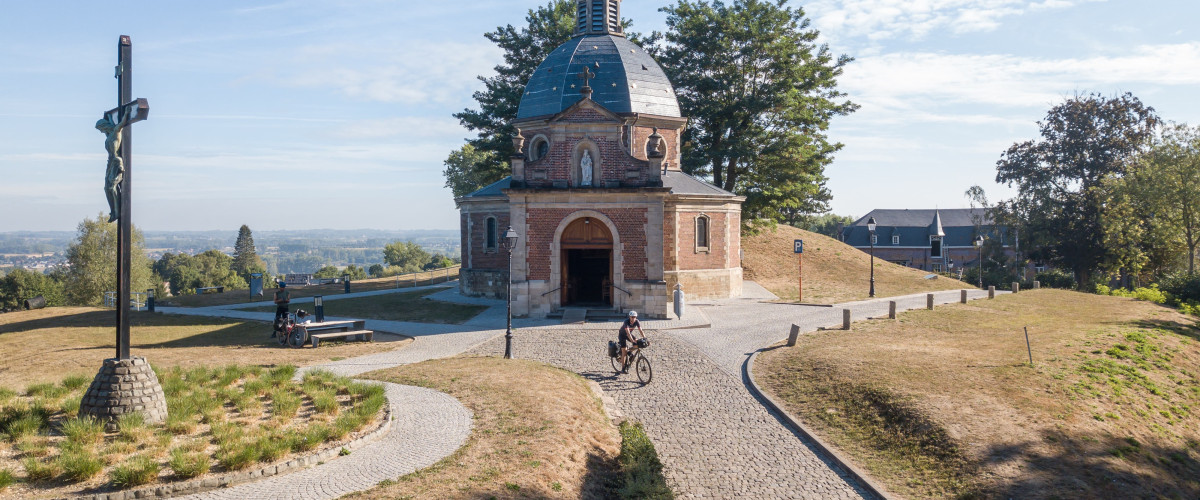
(1058,206)
(406,256)
(92,260)
(20,284)
(759,92)
(245,257)
(207,269)
(484,159)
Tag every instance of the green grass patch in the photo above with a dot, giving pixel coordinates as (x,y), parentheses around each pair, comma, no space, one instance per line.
(83,430)
(401,306)
(187,464)
(641,470)
(37,471)
(137,471)
(6,479)
(79,464)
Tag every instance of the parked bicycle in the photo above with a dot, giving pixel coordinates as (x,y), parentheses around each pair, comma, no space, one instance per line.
(633,357)
(289,332)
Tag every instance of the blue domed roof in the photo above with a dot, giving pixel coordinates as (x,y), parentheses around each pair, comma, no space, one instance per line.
(627,79)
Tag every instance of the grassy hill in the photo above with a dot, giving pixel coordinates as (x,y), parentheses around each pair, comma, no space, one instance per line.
(944,403)
(833,271)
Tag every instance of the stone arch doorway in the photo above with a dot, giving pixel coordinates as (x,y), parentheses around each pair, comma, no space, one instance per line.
(587,263)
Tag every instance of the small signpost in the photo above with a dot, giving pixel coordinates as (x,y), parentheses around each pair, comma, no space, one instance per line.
(798,248)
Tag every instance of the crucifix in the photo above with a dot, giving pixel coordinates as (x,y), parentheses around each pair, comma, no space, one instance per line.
(586,75)
(118,138)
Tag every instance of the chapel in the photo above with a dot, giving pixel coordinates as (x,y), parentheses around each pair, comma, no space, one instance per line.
(603,215)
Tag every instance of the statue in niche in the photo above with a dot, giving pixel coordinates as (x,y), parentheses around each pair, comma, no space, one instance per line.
(585,169)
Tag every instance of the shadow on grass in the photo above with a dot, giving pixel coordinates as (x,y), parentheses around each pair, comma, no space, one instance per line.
(1098,467)
(1191,331)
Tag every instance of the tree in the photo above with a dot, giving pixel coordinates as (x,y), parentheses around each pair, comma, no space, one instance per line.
(245,258)
(759,93)
(486,160)
(408,256)
(92,258)
(1167,178)
(20,284)
(208,269)
(1058,206)
(376,270)
(826,224)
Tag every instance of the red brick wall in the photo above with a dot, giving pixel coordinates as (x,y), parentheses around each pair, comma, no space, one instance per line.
(642,134)
(689,258)
(670,253)
(586,115)
(631,230)
(481,258)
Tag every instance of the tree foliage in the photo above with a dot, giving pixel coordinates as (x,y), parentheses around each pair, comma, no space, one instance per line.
(1166,179)
(92,260)
(208,269)
(20,284)
(484,159)
(406,257)
(245,257)
(760,93)
(1059,178)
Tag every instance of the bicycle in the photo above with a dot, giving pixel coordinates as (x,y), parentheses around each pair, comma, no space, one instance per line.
(290,333)
(635,357)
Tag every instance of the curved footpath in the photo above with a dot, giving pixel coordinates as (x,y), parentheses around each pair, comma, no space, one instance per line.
(716,440)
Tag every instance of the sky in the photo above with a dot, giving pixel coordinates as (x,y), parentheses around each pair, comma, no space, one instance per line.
(309,114)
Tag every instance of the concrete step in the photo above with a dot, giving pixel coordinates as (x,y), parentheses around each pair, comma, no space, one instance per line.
(573,316)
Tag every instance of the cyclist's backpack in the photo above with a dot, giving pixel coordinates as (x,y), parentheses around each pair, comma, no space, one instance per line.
(612,349)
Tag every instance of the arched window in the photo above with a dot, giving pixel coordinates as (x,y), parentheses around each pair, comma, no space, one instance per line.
(539,149)
(702,224)
(491,236)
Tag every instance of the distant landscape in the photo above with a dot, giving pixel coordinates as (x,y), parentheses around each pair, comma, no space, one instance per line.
(301,251)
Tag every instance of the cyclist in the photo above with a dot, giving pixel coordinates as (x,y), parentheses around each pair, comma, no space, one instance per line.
(282,299)
(626,337)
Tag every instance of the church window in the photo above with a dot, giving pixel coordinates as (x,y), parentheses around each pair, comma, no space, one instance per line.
(935,246)
(702,233)
(491,236)
(539,149)
(895,239)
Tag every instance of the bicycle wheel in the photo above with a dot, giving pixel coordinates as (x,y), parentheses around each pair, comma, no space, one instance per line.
(643,369)
(616,363)
(298,337)
(281,336)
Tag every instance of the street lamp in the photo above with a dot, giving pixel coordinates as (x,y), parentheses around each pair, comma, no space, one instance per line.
(979,245)
(510,241)
(871,228)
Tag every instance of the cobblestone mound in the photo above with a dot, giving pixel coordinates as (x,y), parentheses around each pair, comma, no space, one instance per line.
(125,386)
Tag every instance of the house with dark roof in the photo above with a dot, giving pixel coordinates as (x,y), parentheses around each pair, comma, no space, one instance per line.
(604,217)
(938,240)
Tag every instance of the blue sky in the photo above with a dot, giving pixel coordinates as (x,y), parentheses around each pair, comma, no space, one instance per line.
(336,114)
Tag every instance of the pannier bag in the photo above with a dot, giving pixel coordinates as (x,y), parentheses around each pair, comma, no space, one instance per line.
(613,350)
(643,343)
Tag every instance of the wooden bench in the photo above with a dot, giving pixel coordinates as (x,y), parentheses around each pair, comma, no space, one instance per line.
(219,289)
(350,330)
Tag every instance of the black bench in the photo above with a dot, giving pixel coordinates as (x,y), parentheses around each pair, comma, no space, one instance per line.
(219,289)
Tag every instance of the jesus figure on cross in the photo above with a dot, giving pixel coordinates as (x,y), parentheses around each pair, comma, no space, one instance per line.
(116,166)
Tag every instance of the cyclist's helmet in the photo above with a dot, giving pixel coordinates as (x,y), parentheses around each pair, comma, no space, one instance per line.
(632,314)
(300,313)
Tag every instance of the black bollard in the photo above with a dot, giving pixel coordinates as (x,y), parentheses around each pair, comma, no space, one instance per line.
(150,299)
(319,306)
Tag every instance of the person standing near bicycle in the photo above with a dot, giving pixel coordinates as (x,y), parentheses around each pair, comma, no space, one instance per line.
(625,337)
(282,299)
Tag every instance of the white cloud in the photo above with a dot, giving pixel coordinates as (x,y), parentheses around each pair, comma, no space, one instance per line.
(407,72)
(883,19)
(912,86)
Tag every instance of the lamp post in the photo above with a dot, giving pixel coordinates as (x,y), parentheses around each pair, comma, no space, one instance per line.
(979,245)
(871,228)
(510,241)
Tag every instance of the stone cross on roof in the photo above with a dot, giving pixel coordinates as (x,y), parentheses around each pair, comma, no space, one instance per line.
(586,75)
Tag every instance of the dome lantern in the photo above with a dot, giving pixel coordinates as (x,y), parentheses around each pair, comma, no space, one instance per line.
(598,17)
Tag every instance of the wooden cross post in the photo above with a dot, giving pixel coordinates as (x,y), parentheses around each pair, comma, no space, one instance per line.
(127,112)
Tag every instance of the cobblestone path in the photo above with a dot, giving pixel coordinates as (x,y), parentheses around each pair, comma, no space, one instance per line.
(714,438)
(428,425)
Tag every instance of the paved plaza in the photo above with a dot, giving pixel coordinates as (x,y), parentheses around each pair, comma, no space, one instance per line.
(715,439)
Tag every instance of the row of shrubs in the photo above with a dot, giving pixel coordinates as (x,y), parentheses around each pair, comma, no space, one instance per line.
(1183,293)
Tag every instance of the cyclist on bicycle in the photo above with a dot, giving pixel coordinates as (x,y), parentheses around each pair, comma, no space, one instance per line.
(626,337)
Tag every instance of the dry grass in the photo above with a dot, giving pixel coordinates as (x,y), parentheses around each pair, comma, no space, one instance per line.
(539,433)
(833,271)
(1109,409)
(368,285)
(47,344)
(401,306)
